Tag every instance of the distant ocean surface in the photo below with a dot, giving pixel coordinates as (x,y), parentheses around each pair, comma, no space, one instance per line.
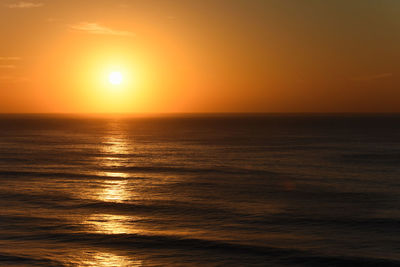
(200,190)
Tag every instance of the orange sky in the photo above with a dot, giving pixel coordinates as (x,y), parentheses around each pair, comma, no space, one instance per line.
(199,56)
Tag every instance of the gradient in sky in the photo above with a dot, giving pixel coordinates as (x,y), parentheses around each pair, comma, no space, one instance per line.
(200,56)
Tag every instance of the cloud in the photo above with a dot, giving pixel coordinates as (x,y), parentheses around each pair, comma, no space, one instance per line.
(24,4)
(94,28)
(7,66)
(372,77)
(13,79)
(10,58)
(8,62)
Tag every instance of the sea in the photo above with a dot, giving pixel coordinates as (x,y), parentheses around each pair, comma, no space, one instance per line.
(200,190)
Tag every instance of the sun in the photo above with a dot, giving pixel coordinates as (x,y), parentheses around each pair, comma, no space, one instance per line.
(115,77)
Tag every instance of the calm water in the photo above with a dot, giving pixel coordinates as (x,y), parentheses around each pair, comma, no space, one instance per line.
(270,190)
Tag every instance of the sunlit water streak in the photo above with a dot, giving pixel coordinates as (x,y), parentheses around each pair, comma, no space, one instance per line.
(111,224)
(108,259)
(261,190)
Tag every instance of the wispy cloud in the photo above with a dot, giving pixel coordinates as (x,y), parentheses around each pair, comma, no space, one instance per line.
(25,4)
(7,66)
(10,58)
(9,62)
(94,28)
(13,79)
(373,77)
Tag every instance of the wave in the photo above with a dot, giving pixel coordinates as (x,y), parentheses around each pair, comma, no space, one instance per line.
(134,170)
(168,169)
(133,242)
(384,224)
(372,158)
(66,202)
(59,202)
(17,260)
(49,174)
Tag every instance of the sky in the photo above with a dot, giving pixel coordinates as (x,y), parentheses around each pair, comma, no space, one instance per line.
(199,56)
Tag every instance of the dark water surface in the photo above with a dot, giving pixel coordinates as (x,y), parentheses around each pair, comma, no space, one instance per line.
(260,190)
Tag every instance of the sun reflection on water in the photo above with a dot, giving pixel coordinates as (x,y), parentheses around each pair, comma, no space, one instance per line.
(112,224)
(108,259)
(115,146)
(116,174)
(114,191)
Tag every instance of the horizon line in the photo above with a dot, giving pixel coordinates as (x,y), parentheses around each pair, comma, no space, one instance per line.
(138,114)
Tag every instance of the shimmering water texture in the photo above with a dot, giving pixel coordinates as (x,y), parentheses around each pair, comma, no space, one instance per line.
(243,190)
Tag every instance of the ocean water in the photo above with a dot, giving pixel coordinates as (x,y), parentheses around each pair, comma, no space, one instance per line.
(215,190)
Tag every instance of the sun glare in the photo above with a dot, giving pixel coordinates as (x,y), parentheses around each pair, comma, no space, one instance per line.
(115,77)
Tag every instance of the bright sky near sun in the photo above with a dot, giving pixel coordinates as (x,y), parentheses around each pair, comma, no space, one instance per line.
(115,77)
(199,56)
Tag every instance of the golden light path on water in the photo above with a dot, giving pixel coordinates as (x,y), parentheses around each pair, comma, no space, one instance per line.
(113,190)
(107,259)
